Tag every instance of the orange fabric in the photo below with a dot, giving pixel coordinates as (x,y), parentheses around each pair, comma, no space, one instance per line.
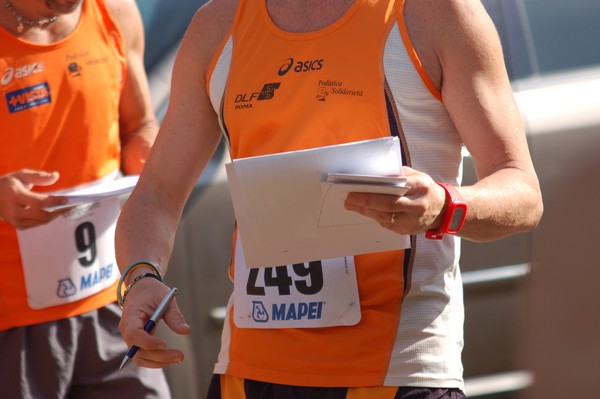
(304,91)
(232,388)
(372,393)
(42,87)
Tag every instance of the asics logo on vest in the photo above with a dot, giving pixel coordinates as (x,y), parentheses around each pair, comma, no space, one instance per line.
(11,73)
(300,66)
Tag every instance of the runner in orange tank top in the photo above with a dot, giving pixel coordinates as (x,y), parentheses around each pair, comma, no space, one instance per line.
(273,76)
(75,110)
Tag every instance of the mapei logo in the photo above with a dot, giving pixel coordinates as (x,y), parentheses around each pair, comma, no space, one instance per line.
(11,73)
(266,93)
(287,311)
(300,66)
(28,97)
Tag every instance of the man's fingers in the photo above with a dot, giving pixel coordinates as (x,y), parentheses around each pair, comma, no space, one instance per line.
(174,319)
(158,358)
(31,178)
(52,201)
(31,216)
(376,202)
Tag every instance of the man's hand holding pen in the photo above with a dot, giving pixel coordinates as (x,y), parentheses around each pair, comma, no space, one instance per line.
(142,311)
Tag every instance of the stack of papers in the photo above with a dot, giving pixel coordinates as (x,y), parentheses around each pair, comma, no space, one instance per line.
(337,187)
(289,206)
(96,192)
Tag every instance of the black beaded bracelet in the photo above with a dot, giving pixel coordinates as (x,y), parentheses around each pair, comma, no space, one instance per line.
(129,269)
(132,283)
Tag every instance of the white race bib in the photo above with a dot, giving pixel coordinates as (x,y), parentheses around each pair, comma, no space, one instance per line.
(313,294)
(71,257)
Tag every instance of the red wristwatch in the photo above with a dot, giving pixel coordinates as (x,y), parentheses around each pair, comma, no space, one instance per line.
(454,217)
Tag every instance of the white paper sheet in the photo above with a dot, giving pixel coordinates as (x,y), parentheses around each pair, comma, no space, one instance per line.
(278,202)
(96,191)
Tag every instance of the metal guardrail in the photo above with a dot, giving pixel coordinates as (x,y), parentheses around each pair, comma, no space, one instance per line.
(496,274)
(498,383)
(218,314)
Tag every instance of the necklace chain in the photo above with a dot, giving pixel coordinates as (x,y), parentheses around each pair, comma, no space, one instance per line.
(21,20)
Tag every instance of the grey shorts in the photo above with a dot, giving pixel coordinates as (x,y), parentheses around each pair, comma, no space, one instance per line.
(78,357)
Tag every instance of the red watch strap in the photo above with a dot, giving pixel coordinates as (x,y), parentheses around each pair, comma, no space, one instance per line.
(454,214)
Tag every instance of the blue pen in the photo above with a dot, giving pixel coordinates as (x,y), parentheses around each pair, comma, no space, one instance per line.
(154,319)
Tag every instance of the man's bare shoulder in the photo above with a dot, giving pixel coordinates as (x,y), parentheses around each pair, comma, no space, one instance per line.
(209,27)
(442,29)
(122,10)
(439,17)
(206,32)
(220,8)
(215,18)
(127,16)
(441,8)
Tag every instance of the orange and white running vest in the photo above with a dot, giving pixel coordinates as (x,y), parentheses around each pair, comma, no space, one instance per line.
(58,112)
(356,79)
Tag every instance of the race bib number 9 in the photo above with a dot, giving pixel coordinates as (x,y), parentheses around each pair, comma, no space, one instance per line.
(306,295)
(71,257)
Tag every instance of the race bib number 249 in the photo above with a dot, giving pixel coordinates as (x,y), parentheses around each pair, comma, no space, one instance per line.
(305,295)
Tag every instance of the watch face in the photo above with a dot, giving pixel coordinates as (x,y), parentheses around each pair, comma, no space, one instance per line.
(457,218)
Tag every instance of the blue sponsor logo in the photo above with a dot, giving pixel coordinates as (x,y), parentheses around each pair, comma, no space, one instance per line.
(66,288)
(298,311)
(29,97)
(91,279)
(287,311)
(259,312)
